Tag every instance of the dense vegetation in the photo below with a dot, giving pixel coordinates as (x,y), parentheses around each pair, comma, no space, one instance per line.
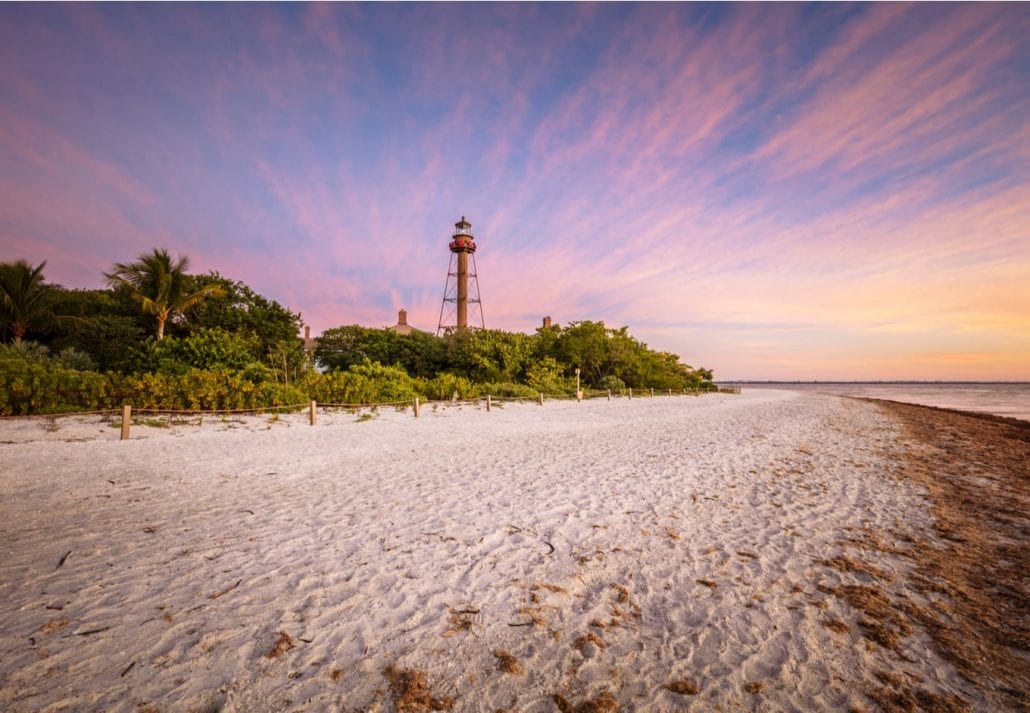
(161,338)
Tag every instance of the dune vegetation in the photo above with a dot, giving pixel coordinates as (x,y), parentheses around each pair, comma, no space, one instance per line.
(159,337)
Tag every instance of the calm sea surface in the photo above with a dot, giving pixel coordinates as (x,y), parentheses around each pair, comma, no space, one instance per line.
(1011,400)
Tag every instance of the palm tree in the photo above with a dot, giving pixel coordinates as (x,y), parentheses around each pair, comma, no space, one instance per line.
(24,297)
(157,284)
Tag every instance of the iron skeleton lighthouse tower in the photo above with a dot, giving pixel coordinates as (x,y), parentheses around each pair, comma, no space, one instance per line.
(461,291)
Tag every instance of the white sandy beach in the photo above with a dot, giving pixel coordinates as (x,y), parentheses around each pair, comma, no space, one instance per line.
(609,547)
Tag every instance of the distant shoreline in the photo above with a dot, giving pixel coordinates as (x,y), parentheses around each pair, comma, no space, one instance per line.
(1007,399)
(992,417)
(732,382)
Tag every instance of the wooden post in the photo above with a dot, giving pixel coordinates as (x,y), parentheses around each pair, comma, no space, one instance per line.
(652,392)
(609,394)
(631,394)
(670,392)
(488,403)
(126,418)
(312,413)
(579,395)
(541,398)
(416,407)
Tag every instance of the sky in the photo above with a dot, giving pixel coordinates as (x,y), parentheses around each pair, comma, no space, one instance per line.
(789,191)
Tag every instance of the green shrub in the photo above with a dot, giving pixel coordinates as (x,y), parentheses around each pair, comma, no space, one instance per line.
(199,390)
(257,373)
(27,351)
(17,379)
(444,386)
(545,376)
(611,382)
(366,383)
(509,390)
(28,387)
(32,382)
(72,358)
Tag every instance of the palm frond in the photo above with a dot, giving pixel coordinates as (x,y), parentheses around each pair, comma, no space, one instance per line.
(199,296)
(157,283)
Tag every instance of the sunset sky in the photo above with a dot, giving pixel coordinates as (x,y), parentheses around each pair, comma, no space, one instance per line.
(793,191)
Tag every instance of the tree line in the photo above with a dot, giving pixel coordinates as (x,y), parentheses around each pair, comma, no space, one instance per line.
(161,337)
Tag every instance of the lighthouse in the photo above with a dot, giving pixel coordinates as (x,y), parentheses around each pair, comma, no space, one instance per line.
(461,290)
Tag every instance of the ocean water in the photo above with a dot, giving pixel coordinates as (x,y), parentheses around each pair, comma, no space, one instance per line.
(1000,399)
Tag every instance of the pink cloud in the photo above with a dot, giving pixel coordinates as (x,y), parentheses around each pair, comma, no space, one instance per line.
(55,155)
(926,88)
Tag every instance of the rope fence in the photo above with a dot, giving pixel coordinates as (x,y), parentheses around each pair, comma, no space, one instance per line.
(217,412)
(128,411)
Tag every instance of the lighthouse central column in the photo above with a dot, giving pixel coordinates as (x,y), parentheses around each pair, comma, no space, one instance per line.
(463,290)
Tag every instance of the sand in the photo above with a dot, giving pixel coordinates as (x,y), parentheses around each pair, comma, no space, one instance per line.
(727,552)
